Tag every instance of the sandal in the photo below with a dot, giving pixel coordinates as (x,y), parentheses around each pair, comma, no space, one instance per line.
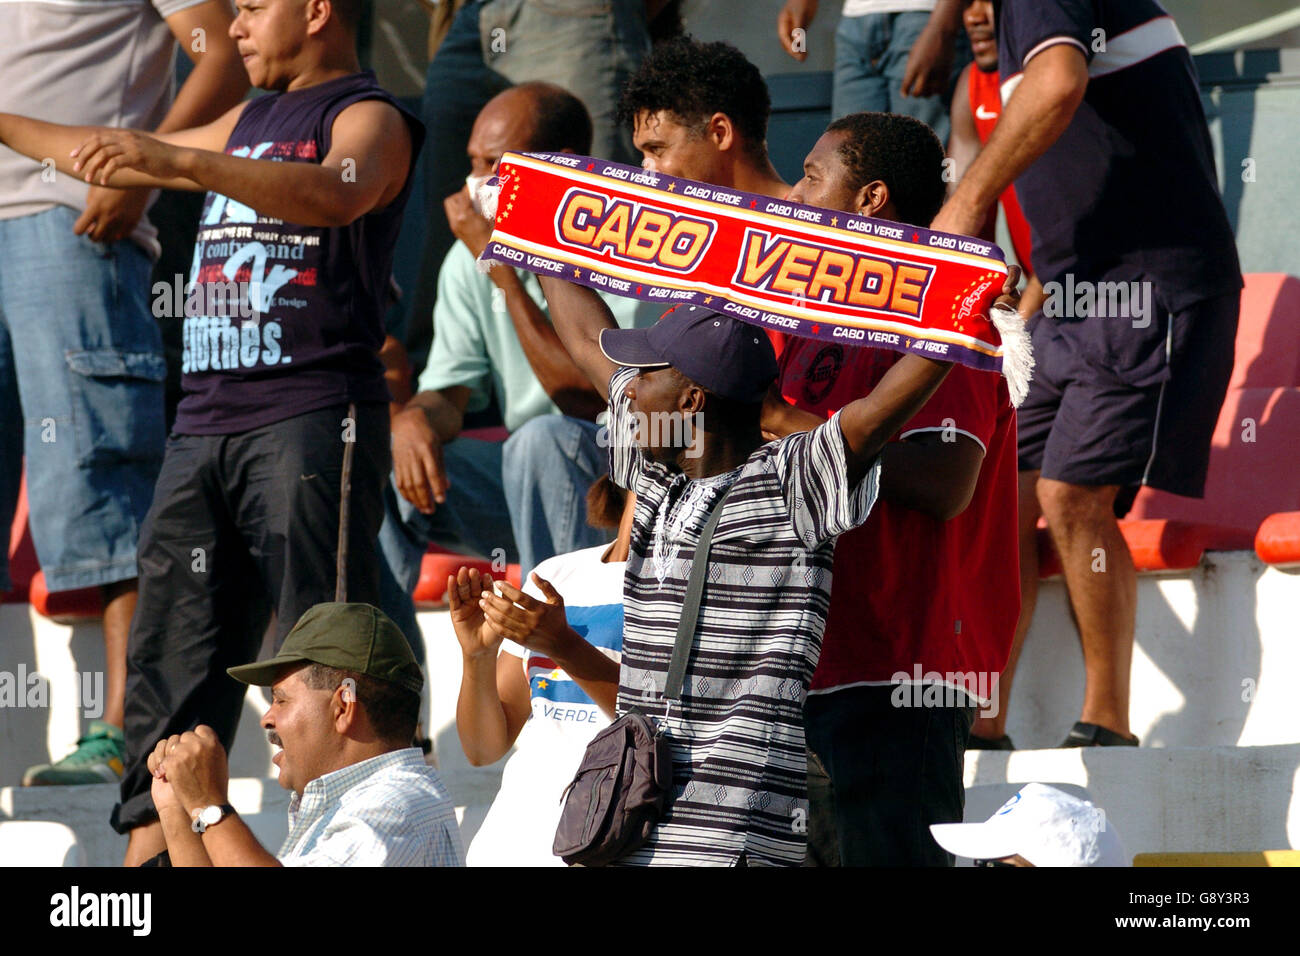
(1094,735)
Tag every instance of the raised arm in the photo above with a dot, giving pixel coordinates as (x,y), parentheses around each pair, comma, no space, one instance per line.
(964,146)
(57,145)
(214,87)
(579,316)
(560,377)
(869,422)
(365,169)
(1038,112)
(218,81)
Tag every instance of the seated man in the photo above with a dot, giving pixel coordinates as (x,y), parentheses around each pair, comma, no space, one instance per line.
(344,701)
(521,500)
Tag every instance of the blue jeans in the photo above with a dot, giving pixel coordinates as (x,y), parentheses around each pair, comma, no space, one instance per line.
(521,500)
(870,60)
(81,394)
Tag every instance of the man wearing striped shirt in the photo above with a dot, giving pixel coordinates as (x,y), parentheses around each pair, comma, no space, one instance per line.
(685,398)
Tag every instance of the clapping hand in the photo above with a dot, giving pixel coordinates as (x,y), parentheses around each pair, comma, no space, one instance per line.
(476,635)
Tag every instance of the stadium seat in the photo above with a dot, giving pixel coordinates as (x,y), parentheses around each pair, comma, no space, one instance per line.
(29,581)
(1278,539)
(22,554)
(1251,474)
(438,564)
(65,606)
(39,843)
(1268,333)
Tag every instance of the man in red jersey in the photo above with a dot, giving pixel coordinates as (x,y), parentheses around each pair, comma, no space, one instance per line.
(926,591)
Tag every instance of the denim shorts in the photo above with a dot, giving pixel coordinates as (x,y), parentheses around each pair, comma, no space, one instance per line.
(81,395)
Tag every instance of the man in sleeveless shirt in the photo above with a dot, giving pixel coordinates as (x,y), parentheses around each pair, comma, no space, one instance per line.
(306,188)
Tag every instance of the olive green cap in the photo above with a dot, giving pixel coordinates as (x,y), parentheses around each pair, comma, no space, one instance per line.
(351,637)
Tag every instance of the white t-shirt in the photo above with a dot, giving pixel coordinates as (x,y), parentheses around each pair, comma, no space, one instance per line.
(520,825)
(861,8)
(91,62)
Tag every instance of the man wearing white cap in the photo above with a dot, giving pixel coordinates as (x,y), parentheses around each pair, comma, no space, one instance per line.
(1039,826)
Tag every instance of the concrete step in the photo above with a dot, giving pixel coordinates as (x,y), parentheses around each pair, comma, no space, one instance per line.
(1171,800)
(262,803)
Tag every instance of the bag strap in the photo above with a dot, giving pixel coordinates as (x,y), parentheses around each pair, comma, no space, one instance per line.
(691,604)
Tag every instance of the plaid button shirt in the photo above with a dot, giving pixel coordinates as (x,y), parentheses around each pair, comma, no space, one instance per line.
(390,810)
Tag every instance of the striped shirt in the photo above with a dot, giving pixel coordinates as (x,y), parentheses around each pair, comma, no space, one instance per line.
(390,810)
(739,766)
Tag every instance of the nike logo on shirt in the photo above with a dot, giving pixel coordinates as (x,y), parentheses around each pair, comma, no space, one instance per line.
(982,113)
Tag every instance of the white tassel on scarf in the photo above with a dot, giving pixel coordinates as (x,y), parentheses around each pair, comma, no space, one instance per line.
(1017,351)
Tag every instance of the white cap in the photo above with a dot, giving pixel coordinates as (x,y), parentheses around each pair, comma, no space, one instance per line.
(1046,826)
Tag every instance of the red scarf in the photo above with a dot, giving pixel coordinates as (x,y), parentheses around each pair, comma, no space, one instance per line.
(800,269)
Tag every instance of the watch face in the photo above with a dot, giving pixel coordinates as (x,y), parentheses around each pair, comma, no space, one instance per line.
(210,815)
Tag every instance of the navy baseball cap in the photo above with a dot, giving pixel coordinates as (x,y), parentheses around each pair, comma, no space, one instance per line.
(728,357)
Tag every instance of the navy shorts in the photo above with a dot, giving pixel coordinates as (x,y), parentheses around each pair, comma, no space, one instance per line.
(1112,403)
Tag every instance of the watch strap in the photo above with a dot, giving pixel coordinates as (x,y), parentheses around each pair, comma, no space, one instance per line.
(198,826)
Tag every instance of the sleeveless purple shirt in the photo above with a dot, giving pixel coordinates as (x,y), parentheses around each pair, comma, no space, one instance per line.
(283,319)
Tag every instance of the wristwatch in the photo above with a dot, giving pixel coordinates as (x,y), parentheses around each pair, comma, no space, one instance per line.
(207,816)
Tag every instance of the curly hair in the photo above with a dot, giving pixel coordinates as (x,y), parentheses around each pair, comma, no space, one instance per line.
(693,81)
(903,153)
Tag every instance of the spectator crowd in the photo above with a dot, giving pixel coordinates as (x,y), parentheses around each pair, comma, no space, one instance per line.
(872,570)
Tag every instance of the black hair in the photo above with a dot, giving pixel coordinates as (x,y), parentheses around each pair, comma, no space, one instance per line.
(605,503)
(693,81)
(393,710)
(560,120)
(900,151)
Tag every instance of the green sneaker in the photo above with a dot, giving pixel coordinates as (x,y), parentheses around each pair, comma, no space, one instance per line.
(97,759)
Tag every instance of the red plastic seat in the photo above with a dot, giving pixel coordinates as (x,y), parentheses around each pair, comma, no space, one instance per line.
(438,565)
(1252,472)
(1156,545)
(65,606)
(1278,539)
(29,581)
(22,554)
